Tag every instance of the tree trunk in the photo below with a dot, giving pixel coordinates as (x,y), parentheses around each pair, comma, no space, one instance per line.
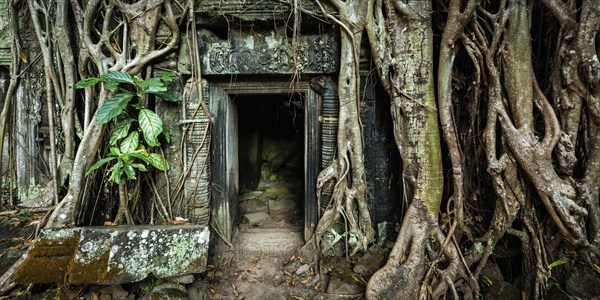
(348,200)
(406,35)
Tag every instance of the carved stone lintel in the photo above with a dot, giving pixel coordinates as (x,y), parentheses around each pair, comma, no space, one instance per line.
(266,53)
(251,10)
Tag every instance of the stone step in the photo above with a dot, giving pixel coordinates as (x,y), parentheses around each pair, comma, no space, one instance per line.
(269,243)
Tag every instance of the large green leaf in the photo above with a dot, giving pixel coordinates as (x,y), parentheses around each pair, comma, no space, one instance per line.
(120,130)
(151,126)
(167,134)
(129,171)
(153,85)
(141,156)
(140,167)
(99,164)
(111,85)
(167,76)
(117,76)
(117,171)
(87,82)
(165,96)
(114,151)
(130,143)
(156,86)
(158,161)
(112,108)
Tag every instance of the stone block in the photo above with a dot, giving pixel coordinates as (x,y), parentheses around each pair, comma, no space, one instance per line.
(253,206)
(183,279)
(256,218)
(49,258)
(370,262)
(115,255)
(303,269)
(583,283)
(168,291)
(344,285)
(281,205)
(113,292)
(250,195)
(502,291)
(268,243)
(166,251)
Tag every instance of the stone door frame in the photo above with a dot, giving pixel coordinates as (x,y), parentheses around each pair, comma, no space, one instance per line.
(224,177)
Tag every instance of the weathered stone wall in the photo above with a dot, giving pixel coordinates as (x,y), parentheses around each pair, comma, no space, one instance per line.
(5,35)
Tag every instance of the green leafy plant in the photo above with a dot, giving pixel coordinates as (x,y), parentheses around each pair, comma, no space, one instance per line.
(487,281)
(556,263)
(432,236)
(136,128)
(147,288)
(23,215)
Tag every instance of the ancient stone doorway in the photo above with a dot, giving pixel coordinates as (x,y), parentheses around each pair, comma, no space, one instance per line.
(231,172)
(270,156)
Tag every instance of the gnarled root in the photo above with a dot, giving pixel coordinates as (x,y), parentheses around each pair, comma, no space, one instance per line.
(347,202)
(403,273)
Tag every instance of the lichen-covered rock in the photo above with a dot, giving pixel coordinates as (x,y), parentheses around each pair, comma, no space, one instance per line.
(183,279)
(554,292)
(114,292)
(583,283)
(340,284)
(370,262)
(115,255)
(502,291)
(49,259)
(165,251)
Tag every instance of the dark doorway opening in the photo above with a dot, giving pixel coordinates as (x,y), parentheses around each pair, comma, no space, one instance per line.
(271,155)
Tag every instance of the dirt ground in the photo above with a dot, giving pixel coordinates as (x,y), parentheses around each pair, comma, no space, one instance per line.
(264,263)
(269,259)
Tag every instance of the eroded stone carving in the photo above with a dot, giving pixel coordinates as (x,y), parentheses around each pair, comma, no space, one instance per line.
(252,10)
(266,53)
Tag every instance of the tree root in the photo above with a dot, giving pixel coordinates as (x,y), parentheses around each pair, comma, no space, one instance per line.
(403,273)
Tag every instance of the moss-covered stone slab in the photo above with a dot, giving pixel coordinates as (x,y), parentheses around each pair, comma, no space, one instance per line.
(115,255)
(166,251)
(49,258)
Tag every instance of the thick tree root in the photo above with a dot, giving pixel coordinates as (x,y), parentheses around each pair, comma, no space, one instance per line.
(403,273)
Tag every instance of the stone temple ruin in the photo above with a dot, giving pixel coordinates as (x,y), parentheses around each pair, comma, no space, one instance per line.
(271,126)
(262,88)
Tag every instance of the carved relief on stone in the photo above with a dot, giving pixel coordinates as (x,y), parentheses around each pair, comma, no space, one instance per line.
(268,53)
(251,10)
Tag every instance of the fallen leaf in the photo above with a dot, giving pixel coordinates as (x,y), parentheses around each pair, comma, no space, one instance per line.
(23,56)
(115,47)
(234,290)
(179,221)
